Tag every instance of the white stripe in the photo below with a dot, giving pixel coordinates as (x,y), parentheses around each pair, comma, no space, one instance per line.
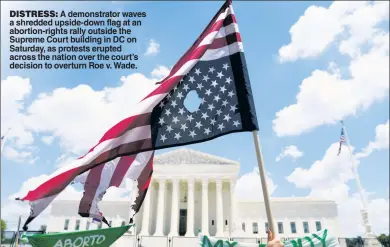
(104,183)
(213,54)
(134,171)
(39,205)
(186,67)
(147,104)
(222,32)
(210,54)
(209,38)
(206,40)
(223,15)
(231,28)
(231,9)
(139,164)
(135,134)
(132,135)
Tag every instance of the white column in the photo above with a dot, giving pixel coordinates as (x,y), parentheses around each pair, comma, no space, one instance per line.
(160,209)
(146,213)
(175,207)
(205,207)
(190,208)
(219,209)
(233,204)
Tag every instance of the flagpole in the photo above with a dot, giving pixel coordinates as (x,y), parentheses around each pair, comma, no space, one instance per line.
(17,232)
(367,225)
(271,225)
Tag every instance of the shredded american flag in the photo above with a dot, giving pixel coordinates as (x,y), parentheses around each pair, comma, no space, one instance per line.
(342,140)
(214,67)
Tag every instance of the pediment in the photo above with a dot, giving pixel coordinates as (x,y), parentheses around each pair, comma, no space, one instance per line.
(190,156)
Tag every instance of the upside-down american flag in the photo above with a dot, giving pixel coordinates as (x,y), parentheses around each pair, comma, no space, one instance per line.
(215,68)
(342,140)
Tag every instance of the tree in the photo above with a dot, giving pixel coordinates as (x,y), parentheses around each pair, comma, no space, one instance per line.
(384,240)
(3,227)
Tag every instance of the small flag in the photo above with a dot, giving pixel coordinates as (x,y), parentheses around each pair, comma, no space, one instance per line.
(342,140)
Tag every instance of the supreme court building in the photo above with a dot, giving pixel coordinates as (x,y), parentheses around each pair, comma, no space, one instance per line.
(191,190)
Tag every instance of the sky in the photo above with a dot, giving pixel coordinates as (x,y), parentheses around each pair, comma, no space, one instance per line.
(311,64)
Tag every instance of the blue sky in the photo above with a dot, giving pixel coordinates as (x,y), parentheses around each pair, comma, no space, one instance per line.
(265,28)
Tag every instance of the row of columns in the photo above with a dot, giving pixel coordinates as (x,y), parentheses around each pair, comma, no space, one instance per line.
(190,208)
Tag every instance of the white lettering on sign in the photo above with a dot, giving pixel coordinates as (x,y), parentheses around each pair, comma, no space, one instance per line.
(86,241)
(80,242)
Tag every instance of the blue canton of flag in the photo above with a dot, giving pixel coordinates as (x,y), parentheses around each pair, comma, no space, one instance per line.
(226,104)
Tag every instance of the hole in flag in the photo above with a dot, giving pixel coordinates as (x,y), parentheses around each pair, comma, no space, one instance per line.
(192,101)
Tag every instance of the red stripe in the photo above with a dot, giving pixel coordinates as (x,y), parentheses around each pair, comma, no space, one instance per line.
(168,84)
(90,187)
(143,184)
(194,53)
(234,18)
(56,184)
(215,27)
(222,42)
(53,186)
(146,186)
(150,168)
(210,28)
(121,170)
(122,127)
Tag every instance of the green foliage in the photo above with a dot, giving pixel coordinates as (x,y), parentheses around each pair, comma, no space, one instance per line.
(3,227)
(384,240)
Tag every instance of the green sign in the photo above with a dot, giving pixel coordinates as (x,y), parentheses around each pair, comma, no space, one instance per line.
(318,239)
(92,238)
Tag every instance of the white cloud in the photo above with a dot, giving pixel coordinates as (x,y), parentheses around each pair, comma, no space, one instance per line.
(95,111)
(250,182)
(14,90)
(319,27)
(291,151)
(24,157)
(329,172)
(381,140)
(327,179)
(47,139)
(328,92)
(160,72)
(153,48)
(335,98)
